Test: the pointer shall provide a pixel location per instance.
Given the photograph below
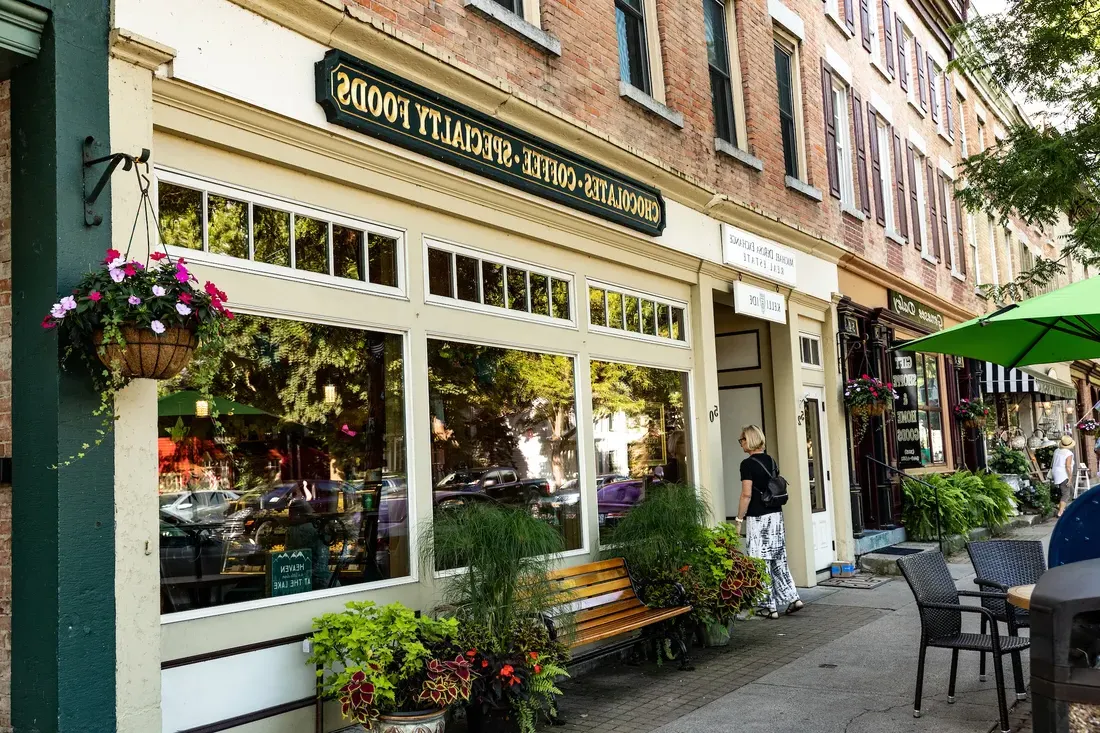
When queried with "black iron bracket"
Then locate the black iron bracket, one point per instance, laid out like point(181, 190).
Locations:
point(93, 191)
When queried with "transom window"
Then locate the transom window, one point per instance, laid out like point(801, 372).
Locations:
point(811, 350)
point(630, 313)
point(228, 224)
point(469, 278)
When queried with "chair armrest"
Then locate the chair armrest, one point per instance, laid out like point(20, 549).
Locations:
point(983, 594)
point(971, 609)
point(983, 583)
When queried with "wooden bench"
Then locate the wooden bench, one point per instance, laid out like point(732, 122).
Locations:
point(604, 604)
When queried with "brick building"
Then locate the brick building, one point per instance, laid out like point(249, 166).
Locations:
point(665, 220)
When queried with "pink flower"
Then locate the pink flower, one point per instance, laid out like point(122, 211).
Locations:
point(182, 309)
point(157, 256)
point(48, 322)
point(185, 298)
point(158, 291)
point(347, 431)
point(68, 303)
point(129, 270)
point(95, 296)
point(117, 275)
point(57, 311)
point(157, 327)
point(112, 254)
point(133, 300)
point(182, 275)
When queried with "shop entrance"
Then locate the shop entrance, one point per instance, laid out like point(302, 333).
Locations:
point(820, 485)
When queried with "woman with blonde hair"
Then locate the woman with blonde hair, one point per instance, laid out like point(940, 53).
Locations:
point(766, 538)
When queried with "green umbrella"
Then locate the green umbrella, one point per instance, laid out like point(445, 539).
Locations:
point(183, 403)
point(1060, 326)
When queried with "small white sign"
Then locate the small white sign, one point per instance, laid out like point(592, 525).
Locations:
point(759, 303)
point(748, 252)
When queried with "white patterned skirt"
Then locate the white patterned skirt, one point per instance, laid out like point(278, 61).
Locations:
point(765, 537)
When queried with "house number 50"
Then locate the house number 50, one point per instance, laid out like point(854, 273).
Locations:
point(713, 413)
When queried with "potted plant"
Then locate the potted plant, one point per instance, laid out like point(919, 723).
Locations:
point(721, 582)
point(499, 594)
point(867, 397)
point(391, 669)
point(127, 320)
point(972, 413)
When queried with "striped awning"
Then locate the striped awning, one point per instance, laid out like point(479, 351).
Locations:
point(997, 379)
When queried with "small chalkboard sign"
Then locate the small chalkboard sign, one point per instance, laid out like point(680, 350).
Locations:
point(289, 572)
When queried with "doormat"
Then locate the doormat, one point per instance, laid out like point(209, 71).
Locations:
point(897, 551)
point(857, 582)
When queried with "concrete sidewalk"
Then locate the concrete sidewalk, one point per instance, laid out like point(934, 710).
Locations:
point(846, 664)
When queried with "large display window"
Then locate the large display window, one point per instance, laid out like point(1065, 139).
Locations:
point(282, 465)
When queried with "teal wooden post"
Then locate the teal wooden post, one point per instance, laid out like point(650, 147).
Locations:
point(63, 625)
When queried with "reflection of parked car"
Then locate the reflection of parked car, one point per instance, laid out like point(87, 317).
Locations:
point(259, 512)
point(198, 506)
point(499, 482)
point(617, 498)
point(602, 480)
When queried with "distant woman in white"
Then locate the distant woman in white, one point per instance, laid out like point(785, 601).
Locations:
point(1061, 469)
point(766, 538)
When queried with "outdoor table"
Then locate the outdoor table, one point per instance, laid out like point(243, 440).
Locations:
point(1020, 596)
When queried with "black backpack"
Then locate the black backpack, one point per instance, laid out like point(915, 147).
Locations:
point(774, 495)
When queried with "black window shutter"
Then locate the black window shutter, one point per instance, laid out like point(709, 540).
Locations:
point(949, 104)
point(888, 33)
point(865, 22)
point(933, 89)
point(899, 185)
point(922, 78)
point(930, 198)
point(964, 250)
point(903, 57)
point(876, 164)
point(945, 223)
point(830, 129)
point(914, 204)
point(861, 153)
point(850, 16)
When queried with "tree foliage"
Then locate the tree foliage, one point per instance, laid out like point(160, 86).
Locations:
point(1047, 51)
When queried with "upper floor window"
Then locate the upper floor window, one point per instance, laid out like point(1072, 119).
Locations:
point(972, 241)
point(886, 176)
point(515, 6)
point(482, 281)
point(790, 117)
point(1008, 254)
point(633, 52)
point(964, 145)
point(991, 230)
point(843, 144)
point(919, 196)
point(283, 238)
point(981, 137)
point(725, 84)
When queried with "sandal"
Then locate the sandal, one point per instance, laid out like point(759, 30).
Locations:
point(770, 615)
point(795, 607)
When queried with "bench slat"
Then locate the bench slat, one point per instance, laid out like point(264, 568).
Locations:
point(608, 631)
point(593, 603)
point(591, 567)
point(619, 617)
point(579, 581)
point(606, 609)
point(597, 589)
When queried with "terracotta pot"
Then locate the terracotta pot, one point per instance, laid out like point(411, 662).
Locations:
point(148, 355)
point(423, 721)
point(494, 720)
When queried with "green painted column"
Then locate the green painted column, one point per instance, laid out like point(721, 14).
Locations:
point(63, 626)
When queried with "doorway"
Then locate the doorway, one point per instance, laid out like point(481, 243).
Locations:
point(820, 477)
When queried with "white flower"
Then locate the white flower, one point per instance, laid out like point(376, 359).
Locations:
point(68, 303)
point(116, 263)
point(158, 290)
point(117, 275)
point(58, 311)
point(182, 309)
point(157, 327)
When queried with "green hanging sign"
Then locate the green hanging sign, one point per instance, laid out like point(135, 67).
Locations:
point(370, 100)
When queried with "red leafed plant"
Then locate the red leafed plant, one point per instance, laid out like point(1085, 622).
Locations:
point(447, 683)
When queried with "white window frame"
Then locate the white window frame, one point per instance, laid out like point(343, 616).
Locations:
point(204, 256)
point(654, 64)
point(949, 214)
point(964, 143)
point(793, 46)
point(842, 104)
point(981, 136)
point(972, 242)
point(605, 286)
point(913, 93)
point(886, 173)
point(737, 93)
point(430, 242)
point(938, 97)
point(815, 339)
point(412, 519)
point(922, 206)
point(1008, 254)
point(991, 229)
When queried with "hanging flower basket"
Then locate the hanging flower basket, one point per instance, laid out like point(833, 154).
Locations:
point(972, 414)
point(148, 355)
point(874, 409)
point(1088, 426)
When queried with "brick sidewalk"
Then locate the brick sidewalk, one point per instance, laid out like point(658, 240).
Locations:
point(622, 698)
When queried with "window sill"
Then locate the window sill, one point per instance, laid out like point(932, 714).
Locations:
point(726, 148)
point(929, 259)
point(980, 292)
point(803, 188)
point(958, 275)
point(516, 23)
point(896, 238)
point(943, 133)
point(839, 23)
point(877, 63)
point(852, 212)
point(643, 100)
point(914, 102)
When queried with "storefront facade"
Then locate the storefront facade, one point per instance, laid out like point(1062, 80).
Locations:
point(432, 305)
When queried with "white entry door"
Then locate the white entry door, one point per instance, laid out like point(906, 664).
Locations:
point(737, 407)
point(817, 452)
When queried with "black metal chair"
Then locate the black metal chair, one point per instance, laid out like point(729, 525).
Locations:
point(941, 626)
point(1000, 565)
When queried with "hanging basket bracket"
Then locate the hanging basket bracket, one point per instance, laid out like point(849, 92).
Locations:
point(92, 187)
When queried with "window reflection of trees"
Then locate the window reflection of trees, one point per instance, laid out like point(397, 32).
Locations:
point(306, 448)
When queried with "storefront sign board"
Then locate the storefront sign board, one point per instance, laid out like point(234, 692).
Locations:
point(289, 572)
point(759, 303)
point(370, 100)
point(917, 312)
point(906, 417)
point(751, 253)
